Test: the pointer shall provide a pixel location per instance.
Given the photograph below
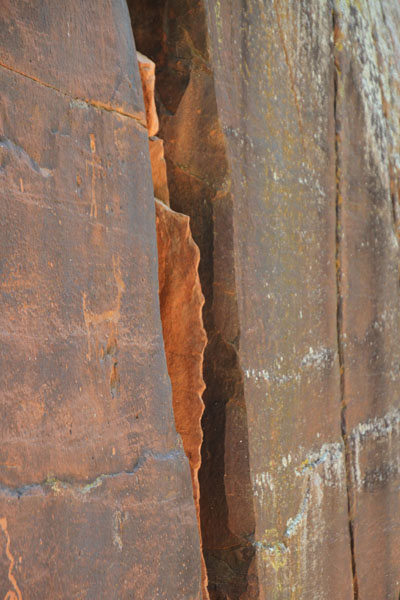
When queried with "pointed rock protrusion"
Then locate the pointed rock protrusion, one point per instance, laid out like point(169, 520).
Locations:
point(147, 70)
point(181, 303)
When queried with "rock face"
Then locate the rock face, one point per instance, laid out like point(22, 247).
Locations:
point(280, 128)
point(159, 169)
point(367, 55)
point(95, 495)
point(181, 302)
point(263, 107)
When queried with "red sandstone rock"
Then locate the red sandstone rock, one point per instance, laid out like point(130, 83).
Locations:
point(159, 169)
point(368, 144)
point(284, 151)
point(95, 492)
point(181, 303)
point(302, 384)
point(147, 69)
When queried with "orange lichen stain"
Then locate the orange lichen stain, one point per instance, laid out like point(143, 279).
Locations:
point(95, 165)
point(109, 316)
point(14, 594)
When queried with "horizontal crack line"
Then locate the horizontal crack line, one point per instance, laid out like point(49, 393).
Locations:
point(57, 485)
point(93, 103)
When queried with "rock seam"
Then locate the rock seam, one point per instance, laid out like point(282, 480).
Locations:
point(339, 310)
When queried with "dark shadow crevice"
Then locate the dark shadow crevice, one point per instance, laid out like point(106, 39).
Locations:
point(173, 33)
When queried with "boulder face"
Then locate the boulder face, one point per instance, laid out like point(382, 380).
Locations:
point(95, 492)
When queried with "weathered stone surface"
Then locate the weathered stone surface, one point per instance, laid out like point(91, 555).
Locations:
point(74, 50)
point(277, 115)
point(198, 185)
point(95, 492)
point(367, 108)
point(159, 169)
point(295, 236)
point(181, 302)
point(281, 132)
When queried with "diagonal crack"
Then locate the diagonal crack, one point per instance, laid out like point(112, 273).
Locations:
point(339, 303)
point(86, 101)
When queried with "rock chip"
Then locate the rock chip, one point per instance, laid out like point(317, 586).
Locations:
point(159, 169)
point(147, 70)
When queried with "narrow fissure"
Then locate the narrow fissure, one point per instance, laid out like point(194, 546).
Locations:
point(181, 301)
point(174, 35)
point(339, 309)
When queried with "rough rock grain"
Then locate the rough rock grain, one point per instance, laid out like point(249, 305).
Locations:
point(199, 186)
point(95, 492)
point(181, 303)
point(275, 101)
point(367, 107)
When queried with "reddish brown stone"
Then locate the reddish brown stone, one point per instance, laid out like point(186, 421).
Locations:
point(368, 141)
point(181, 303)
point(39, 40)
point(95, 492)
point(147, 70)
point(199, 186)
point(159, 169)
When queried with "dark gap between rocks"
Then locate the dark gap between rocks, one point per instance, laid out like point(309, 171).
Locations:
point(173, 34)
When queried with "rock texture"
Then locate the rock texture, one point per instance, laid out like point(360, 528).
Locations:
point(310, 106)
point(280, 126)
point(174, 35)
point(147, 70)
point(280, 137)
point(181, 302)
point(367, 61)
point(95, 492)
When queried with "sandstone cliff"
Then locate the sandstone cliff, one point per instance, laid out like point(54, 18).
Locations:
point(261, 287)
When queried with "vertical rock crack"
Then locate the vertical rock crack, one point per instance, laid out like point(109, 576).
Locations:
point(339, 307)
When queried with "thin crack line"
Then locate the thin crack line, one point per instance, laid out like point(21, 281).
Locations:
point(56, 484)
point(339, 307)
point(94, 103)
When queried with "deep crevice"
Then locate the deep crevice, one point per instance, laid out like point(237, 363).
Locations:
point(339, 309)
point(173, 33)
